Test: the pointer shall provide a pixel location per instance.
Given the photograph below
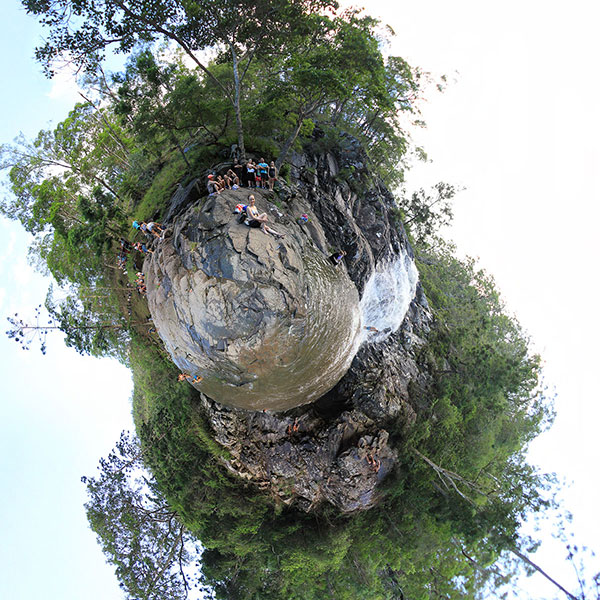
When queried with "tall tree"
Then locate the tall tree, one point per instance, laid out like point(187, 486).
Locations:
point(82, 30)
point(143, 97)
point(336, 72)
point(140, 534)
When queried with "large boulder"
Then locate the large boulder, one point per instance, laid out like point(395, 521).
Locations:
point(267, 322)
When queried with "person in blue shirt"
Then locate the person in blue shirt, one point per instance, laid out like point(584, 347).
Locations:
point(263, 172)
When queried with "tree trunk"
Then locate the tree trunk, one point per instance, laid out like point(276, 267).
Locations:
point(236, 102)
point(288, 143)
point(524, 558)
point(153, 26)
point(175, 141)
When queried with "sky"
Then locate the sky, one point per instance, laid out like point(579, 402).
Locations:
point(518, 126)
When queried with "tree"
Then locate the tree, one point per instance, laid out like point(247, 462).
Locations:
point(339, 60)
point(425, 215)
point(244, 29)
point(142, 98)
point(90, 324)
point(49, 174)
point(336, 74)
point(152, 552)
point(166, 106)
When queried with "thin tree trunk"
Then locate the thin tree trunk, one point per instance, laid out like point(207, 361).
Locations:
point(114, 134)
point(181, 150)
point(167, 564)
point(236, 102)
point(524, 558)
point(173, 36)
point(451, 477)
point(288, 143)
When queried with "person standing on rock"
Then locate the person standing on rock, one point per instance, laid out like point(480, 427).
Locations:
point(256, 219)
point(155, 229)
point(263, 171)
point(222, 183)
point(238, 169)
point(272, 175)
point(251, 170)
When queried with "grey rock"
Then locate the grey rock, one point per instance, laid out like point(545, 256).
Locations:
point(268, 323)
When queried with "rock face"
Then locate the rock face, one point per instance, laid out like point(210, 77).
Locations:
point(336, 449)
point(268, 323)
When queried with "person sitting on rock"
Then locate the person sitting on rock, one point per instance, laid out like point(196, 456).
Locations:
point(222, 183)
point(142, 248)
point(336, 257)
point(212, 185)
point(143, 227)
point(233, 179)
point(190, 378)
point(155, 229)
point(256, 219)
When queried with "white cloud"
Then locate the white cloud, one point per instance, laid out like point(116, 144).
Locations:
point(8, 248)
point(64, 87)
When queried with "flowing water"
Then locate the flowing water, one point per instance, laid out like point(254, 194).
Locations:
point(386, 297)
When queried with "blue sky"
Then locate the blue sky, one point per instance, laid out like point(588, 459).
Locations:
point(59, 413)
point(519, 127)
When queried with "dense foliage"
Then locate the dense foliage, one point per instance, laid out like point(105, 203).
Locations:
point(455, 504)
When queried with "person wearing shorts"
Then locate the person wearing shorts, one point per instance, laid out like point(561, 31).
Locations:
point(256, 219)
point(251, 170)
point(272, 173)
point(263, 169)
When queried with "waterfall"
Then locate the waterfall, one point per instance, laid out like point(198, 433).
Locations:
point(387, 296)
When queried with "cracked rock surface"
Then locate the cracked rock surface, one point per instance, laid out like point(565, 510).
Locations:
point(267, 322)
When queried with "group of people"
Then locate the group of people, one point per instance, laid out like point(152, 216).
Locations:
point(142, 248)
point(190, 378)
point(246, 174)
point(259, 175)
point(126, 248)
point(122, 254)
point(217, 183)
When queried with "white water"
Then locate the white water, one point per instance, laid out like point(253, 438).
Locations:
point(387, 296)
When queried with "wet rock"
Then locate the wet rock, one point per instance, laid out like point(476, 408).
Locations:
point(304, 460)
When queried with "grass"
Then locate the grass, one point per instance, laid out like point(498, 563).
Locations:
point(163, 187)
point(174, 173)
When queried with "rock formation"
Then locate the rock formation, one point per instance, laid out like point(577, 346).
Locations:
point(268, 323)
point(240, 308)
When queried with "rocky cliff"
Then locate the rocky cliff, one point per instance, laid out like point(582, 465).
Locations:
point(294, 388)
